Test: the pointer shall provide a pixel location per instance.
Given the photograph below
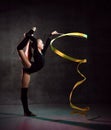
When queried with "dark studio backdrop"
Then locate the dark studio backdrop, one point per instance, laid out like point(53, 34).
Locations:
point(54, 82)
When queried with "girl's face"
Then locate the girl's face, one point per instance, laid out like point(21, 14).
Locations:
point(40, 44)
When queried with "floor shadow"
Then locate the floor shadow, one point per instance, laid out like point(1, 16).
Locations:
point(94, 126)
point(9, 115)
point(102, 121)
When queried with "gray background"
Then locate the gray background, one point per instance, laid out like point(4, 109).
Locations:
point(54, 82)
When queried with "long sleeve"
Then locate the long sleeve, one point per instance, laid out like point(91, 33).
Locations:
point(46, 46)
point(48, 42)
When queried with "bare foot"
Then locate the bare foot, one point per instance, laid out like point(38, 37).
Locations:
point(34, 29)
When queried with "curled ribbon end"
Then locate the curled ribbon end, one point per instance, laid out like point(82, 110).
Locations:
point(84, 61)
point(86, 35)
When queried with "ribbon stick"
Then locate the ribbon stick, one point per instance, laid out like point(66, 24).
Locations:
point(75, 108)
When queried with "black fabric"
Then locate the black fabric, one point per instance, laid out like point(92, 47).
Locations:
point(24, 99)
point(23, 43)
point(39, 58)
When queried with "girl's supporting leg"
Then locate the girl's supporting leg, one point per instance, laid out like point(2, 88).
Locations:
point(25, 80)
point(24, 94)
point(25, 58)
point(24, 99)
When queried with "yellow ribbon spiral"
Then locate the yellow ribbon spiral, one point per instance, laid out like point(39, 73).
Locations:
point(76, 109)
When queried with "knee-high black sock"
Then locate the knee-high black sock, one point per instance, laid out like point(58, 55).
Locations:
point(23, 43)
point(24, 99)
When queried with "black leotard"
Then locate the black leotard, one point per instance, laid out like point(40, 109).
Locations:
point(39, 58)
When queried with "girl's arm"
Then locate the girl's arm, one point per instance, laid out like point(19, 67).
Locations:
point(51, 36)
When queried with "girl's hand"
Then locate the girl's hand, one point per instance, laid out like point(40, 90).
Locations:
point(54, 32)
point(34, 29)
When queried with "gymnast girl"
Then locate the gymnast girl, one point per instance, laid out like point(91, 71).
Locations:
point(33, 60)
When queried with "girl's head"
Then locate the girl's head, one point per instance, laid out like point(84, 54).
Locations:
point(40, 44)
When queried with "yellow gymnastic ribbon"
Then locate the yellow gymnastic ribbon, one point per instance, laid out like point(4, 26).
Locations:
point(79, 61)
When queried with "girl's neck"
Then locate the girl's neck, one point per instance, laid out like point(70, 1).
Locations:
point(40, 51)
